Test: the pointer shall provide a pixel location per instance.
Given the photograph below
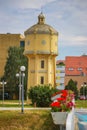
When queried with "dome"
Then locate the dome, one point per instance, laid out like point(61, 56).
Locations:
point(41, 27)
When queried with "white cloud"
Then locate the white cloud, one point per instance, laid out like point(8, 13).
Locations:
point(22, 4)
point(80, 38)
point(72, 40)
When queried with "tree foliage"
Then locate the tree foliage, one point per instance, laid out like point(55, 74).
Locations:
point(41, 95)
point(14, 61)
point(72, 85)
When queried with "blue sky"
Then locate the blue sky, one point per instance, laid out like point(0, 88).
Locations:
point(68, 17)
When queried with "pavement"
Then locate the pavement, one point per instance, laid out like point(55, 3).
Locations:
point(19, 108)
point(37, 108)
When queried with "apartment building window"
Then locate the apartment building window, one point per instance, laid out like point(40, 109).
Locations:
point(71, 69)
point(42, 80)
point(79, 69)
point(42, 63)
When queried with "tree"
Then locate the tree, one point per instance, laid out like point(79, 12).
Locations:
point(72, 85)
point(14, 61)
point(41, 95)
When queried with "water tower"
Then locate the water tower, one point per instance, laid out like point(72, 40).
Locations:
point(41, 49)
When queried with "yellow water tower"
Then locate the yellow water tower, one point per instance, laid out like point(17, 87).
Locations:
point(41, 49)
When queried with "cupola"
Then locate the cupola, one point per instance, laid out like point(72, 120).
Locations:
point(41, 18)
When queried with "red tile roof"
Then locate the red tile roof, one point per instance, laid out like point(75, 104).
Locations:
point(75, 65)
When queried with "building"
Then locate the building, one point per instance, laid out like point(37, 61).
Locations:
point(76, 69)
point(6, 41)
point(41, 49)
point(60, 74)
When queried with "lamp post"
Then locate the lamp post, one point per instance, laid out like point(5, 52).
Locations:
point(21, 76)
point(84, 85)
point(3, 83)
point(22, 69)
point(20, 86)
point(84, 94)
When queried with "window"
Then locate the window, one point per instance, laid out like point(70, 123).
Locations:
point(22, 43)
point(42, 63)
point(42, 80)
point(28, 42)
point(71, 69)
point(79, 69)
point(43, 42)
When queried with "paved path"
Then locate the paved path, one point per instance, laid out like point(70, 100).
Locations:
point(19, 108)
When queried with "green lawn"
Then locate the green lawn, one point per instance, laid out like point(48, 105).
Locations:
point(15, 103)
point(81, 104)
point(30, 120)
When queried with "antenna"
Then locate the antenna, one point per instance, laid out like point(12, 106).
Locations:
point(42, 9)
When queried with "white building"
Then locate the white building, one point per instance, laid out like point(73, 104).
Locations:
point(60, 74)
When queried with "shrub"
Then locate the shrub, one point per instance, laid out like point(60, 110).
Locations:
point(41, 95)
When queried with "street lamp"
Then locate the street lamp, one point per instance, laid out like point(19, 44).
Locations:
point(22, 69)
point(20, 86)
point(3, 84)
point(21, 76)
point(84, 94)
point(84, 85)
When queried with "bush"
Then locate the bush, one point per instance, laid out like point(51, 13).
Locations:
point(72, 85)
point(41, 95)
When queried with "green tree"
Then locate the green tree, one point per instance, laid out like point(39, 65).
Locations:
point(14, 61)
point(72, 85)
point(41, 95)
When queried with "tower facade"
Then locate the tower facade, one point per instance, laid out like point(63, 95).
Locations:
point(41, 49)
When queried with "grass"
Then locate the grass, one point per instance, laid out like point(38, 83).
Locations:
point(13, 103)
point(30, 120)
point(81, 104)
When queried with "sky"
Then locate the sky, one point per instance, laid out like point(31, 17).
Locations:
point(68, 17)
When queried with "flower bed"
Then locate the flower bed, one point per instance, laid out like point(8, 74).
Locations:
point(63, 103)
point(61, 106)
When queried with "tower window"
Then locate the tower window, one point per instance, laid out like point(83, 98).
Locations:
point(42, 63)
point(42, 80)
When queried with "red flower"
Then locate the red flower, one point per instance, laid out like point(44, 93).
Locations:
point(64, 93)
point(61, 99)
point(70, 104)
point(64, 102)
point(55, 104)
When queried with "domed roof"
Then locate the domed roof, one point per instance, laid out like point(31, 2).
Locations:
point(41, 27)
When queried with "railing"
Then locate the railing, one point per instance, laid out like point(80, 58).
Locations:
point(70, 121)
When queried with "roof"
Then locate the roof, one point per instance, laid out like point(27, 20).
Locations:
point(41, 27)
point(76, 65)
